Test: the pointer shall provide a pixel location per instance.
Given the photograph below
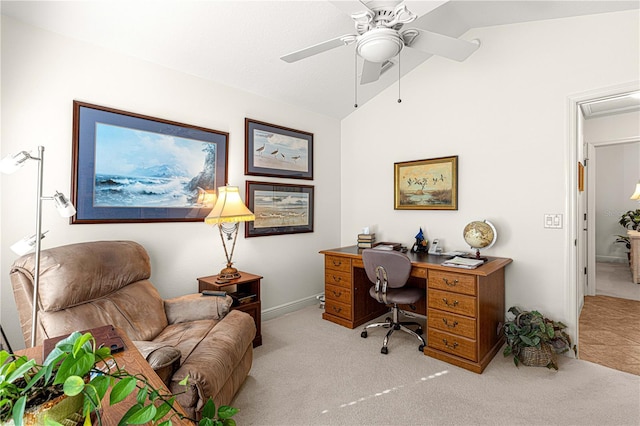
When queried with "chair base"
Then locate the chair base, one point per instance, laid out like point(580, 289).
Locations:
point(394, 324)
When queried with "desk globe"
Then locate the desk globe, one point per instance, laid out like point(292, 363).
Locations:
point(480, 235)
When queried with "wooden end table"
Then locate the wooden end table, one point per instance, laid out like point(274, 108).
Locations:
point(246, 292)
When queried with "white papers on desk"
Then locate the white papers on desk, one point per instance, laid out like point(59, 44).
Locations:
point(383, 247)
point(463, 262)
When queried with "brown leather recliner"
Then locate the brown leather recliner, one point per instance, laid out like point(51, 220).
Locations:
point(87, 285)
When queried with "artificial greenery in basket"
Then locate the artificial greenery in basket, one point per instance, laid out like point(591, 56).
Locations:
point(533, 339)
point(76, 367)
point(629, 220)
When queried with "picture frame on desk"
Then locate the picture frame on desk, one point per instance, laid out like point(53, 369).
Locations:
point(129, 167)
point(430, 184)
point(279, 208)
point(277, 151)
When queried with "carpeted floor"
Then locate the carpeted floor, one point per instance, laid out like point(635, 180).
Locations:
point(312, 372)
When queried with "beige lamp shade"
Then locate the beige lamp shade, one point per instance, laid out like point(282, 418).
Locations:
point(229, 207)
point(636, 194)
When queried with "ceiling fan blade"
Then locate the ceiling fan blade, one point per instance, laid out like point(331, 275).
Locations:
point(350, 6)
point(421, 7)
point(319, 48)
point(370, 72)
point(443, 45)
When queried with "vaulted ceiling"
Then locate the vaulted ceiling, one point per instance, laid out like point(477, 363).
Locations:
point(239, 43)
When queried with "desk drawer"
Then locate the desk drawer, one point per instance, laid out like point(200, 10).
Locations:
point(452, 302)
point(336, 293)
point(341, 279)
point(452, 323)
point(338, 309)
point(459, 283)
point(337, 263)
point(452, 344)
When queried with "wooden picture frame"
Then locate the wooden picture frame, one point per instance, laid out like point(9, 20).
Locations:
point(426, 184)
point(130, 167)
point(279, 208)
point(277, 151)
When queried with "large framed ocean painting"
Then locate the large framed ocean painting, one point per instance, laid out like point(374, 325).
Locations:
point(129, 167)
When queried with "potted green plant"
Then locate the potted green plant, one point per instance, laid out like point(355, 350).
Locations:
point(534, 340)
point(77, 368)
point(629, 220)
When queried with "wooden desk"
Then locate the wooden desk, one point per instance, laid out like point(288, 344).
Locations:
point(465, 308)
point(130, 360)
point(247, 284)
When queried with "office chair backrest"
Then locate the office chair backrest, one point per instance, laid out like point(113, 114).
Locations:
point(397, 266)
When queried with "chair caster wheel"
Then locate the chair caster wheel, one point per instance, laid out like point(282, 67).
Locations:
point(363, 334)
point(421, 348)
point(419, 332)
point(384, 350)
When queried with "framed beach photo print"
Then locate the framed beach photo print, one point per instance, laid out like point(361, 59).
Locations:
point(427, 184)
point(129, 167)
point(279, 208)
point(277, 151)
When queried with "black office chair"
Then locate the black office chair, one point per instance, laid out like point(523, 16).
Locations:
point(390, 270)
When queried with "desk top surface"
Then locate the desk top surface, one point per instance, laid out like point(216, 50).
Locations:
point(424, 260)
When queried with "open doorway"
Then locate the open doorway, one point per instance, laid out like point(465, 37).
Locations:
point(608, 299)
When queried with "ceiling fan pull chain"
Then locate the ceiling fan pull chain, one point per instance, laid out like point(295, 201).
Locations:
point(399, 99)
point(355, 80)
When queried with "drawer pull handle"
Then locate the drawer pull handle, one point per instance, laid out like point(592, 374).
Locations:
point(446, 343)
point(453, 325)
point(337, 310)
point(450, 283)
point(336, 293)
point(337, 262)
point(451, 305)
point(336, 279)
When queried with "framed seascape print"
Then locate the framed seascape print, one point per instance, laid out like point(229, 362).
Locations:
point(279, 208)
point(427, 184)
point(132, 168)
point(277, 151)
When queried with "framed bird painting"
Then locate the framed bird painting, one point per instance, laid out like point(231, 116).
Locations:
point(427, 184)
point(277, 151)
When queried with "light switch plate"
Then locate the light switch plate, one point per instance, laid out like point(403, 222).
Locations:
point(553, 221)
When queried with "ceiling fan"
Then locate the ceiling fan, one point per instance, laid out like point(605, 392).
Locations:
point(380, 37)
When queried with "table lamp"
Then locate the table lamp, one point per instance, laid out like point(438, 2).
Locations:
point(227, 213)
point(636, 194)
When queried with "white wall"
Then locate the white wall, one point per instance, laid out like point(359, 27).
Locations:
point(42, 73)
point(504, 113)
point(617, 170)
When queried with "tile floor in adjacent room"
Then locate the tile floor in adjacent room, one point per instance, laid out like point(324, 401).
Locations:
point(610, 326)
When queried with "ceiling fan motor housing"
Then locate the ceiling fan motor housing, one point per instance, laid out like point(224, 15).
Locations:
point(379, 44)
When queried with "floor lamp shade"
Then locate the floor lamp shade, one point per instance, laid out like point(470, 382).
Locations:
point(227, 213)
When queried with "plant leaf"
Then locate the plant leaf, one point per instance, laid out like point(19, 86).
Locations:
point(73, 385)
point(225, 412)
point(18, 410)
point(164, 409)
point(122, 389)
point(209, 409)
point(143, 415)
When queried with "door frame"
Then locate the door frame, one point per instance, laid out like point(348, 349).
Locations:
point(574, 146)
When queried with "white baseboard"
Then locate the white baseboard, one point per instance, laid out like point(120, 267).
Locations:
point(286, 308)
point(611, 259)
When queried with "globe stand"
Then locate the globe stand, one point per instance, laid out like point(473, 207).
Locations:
point(477, 256)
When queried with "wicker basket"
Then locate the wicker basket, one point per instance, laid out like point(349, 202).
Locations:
point(537, 357)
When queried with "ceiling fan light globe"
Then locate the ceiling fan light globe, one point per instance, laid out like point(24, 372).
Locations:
point(379, 45)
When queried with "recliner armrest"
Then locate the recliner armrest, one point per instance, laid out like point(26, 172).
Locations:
point(193, 307)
